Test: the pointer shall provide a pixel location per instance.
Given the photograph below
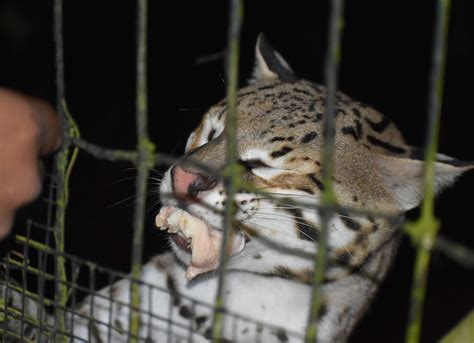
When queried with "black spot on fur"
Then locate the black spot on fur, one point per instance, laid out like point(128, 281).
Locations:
point(221, 113)
point(350, 223)
point(323, 310)
point(186, 312)
point(344, 259)
point(246, 93)
point(380, 126)
point(356, 112)
point(306, 190)
point(358, 127)
point(262, 88)
point(119, 326)
point(199, 321)
point(277, 139)
point(257, 256)
point(305, 276)
point(171, 286)
point(319, 117)
point(316, 181)
point(302, 91)
point(355, 131)
point(366, 146)
point(281, 335)
point(309, 137)
point(208, 333)
point(283, 151)
point(308, 232)
point(350, 130)
point(317, 88)
point(385, 145)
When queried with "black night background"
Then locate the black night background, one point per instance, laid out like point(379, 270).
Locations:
point(385, 62)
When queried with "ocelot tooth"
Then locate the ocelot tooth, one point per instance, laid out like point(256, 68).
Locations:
point(172, 229)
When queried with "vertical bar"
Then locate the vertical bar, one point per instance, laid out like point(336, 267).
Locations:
point(232, 175)
point(24, 275)
point(425, 230)
point(72, 291)
point(328, 198)
point(145, 162)
point(149, 334)
point(5, 295)
point(92, 320)
point(111, 309)
point(62, 165)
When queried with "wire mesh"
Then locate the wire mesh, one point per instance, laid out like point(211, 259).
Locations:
point(41, 298)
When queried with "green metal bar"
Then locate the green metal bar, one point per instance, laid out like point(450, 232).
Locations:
point(105, 154)
point(328, 198)
point(233, 171)
point(145, 162)
point(425, 230)
point(64, 162)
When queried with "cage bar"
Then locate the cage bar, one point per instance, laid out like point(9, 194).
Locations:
point(232, 173)
point(424, 231)
point(328, 198)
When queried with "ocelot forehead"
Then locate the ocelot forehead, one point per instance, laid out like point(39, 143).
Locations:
point(269, 113)
point(276, 119)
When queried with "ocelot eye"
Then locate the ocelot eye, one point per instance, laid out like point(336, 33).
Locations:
point(253, 164)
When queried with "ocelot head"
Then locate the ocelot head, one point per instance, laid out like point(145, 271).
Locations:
point(279, 145)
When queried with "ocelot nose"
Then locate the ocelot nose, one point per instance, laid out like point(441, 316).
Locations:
point(187, 185)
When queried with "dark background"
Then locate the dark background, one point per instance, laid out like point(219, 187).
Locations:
point(385, 63)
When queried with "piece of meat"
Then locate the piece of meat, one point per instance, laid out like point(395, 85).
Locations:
point(205, 242)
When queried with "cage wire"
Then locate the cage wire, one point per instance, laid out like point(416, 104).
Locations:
point(39, 287)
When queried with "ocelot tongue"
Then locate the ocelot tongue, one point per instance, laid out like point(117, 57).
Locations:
point(205, 244)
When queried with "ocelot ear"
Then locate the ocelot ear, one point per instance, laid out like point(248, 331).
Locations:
point(404, 176)
point(269, 64)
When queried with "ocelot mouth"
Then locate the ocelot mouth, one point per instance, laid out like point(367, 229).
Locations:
point(196, 237)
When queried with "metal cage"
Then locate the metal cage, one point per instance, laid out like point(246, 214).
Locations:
point(39, 288)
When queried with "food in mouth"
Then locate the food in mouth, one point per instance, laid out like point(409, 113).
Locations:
point(193, 235)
